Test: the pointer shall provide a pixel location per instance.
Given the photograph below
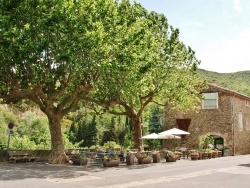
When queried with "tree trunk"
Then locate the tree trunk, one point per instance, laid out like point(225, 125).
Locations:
point(58, 155)
point(137, 132)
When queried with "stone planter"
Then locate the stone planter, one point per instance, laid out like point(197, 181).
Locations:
point(194, 157)
point(204, 155)
point(145, 160)
point(209, 155)
point(111, 163)
point(170, 159)
point(219, 153)
point(214, 154)
point(130, 159)
point(156, 158)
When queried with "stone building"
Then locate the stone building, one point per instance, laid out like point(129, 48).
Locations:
point(224, 114)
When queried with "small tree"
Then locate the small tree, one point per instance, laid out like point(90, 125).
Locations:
point(204, 141)
point(91, 134)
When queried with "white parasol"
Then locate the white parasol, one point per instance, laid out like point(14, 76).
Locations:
point(158, 136)
point(174, 131)
point(168, 136)
point(151, 136)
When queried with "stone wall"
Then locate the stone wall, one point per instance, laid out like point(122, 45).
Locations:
point(221, 122)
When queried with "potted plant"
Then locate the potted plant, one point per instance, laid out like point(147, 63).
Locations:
point(214, 153)
point(130, 158)
point(144, 158)
point(219, 153)
point(209, 153)
point(170, 156)
point(194, 155)
point(204, 142)
point(80, 159)
point(111, 160)
point(156, 157)
point(204, 155)
point(178, 155)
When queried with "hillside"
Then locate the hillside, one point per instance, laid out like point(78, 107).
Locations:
point(237, 81)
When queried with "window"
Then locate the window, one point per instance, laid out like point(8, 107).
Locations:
point(210, 100)
point(247, 103)
point(240, 121)
point(247, 124)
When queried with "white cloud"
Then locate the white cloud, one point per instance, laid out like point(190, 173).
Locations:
point(236, 5)
point(229, 55)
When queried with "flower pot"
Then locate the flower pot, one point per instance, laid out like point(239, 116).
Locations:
point(111, 163)
point(194, 157)
point(219, 153)
point(130, 159)
point(204, 155)
point(209, 155)
point(145, 160)
point(170, 159)
point(214, 154)
point(156, 157)
point(79, 161)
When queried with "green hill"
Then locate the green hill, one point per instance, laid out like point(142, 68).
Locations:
point(237, 81)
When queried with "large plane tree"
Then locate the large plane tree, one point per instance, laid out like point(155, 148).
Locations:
point(55, 52)
point(165, 75)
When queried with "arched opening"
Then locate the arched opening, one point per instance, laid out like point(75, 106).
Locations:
point(218, 142)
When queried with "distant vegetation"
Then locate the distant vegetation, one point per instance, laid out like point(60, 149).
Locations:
point(237, 81)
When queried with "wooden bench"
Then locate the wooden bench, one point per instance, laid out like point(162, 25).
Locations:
point(23, 156)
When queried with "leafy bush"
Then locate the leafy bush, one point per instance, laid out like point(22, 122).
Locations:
point(111, 145)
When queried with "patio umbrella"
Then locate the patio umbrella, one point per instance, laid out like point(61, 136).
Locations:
point(168, 136)
point(151, 136)
point(174, 131)
point(157, 136)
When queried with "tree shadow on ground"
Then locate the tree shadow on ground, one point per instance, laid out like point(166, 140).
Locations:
point(245, 165)
point(42, 170)
point(19, 171)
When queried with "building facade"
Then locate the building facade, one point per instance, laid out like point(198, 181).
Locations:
point(224, 114)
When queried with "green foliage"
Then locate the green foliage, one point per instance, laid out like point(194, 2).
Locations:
point(87, 133)
point(205, 140)
point(111, 145)
point(22, 142)
point(91, 138)
point(152, 144)
point(112, 135)
point(169, 154)
point(112, 53)
point(115, 131)
point(30, 130)
point(156, 119)
point(68, 144)
point(240, 79)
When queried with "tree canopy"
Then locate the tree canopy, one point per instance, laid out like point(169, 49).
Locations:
point(113, 53)
point(163, 72)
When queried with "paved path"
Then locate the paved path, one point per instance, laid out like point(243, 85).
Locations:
point(225, 172)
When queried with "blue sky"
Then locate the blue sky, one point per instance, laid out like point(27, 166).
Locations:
point(217, 30)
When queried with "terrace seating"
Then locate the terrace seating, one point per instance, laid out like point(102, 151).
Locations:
point(20, 155)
